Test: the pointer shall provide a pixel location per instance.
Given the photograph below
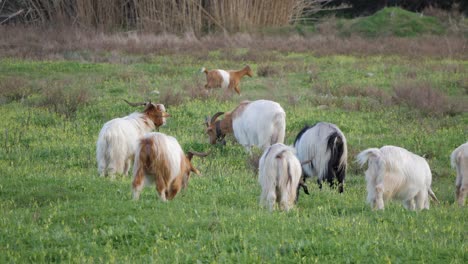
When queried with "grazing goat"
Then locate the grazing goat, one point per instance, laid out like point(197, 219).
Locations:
point(279, 176)
point(160, 159)
point(118, 139)
point(396, 173)
point(226, 79)
point(459, 161)
point(259, 123)
point(325, 146)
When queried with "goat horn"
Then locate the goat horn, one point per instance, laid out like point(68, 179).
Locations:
point(213, 119)
point(135, 104)
point(305, 162)
point(192, 153)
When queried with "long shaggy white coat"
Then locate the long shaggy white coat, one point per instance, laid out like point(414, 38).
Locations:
point(396, 173)
point(117, 143)
point(279, 175)
point(459, 161)
point(261, 124)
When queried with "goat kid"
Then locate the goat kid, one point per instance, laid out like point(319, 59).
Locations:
point(227, 80)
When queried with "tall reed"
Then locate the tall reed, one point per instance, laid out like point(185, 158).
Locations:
point(172, 16)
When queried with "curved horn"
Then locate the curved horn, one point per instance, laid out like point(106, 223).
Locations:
point(192, 153)
point(135, 104)
point(213, 119)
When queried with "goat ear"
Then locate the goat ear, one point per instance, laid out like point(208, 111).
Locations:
point(149, 107)
point(207, 121)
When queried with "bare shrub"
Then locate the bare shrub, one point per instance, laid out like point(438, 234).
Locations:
point(15, 89)
point(196, 90)
point(267, 71)
point(423, 97)
point(378, 94)
point(65, 102)
point(169, 97)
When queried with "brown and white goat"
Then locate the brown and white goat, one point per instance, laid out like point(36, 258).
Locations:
point(258, 123)
point(226, 79)
point(118, 138)
point(459, 161)
point(160, 160)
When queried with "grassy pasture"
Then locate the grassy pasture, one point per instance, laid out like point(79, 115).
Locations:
point(54, 207)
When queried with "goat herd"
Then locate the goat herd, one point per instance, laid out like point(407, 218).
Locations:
point(319, 150)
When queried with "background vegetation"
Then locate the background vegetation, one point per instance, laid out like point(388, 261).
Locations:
point(57, 90)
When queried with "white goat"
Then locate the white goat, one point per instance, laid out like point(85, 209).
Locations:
point(396, 173)
point(226, 79)
point(325, 146)
point(279, 176)
point(118, 139)
point(259, 123)
point(459, 161)
point(160, 160)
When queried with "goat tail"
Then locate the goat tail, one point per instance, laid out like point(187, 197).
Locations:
point(336, 144)
point(102, 154)
point(454, 158)
point(432, 195)
point(363, 157)
point(278, 129)
point(203, 69)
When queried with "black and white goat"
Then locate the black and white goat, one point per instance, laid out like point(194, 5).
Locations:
point(324, 145)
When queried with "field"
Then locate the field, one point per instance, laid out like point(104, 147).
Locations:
point(55, 208)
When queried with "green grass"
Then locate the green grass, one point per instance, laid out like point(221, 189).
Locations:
point(393, 21)
point(55, 208)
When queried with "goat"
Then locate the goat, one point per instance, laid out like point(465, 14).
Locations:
point(396, 173)
point(259, 123)
point(160, 160)
point(325, 146)
point(459, 161)
point(279, 176)
point(226, 79)
point(118, 138)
